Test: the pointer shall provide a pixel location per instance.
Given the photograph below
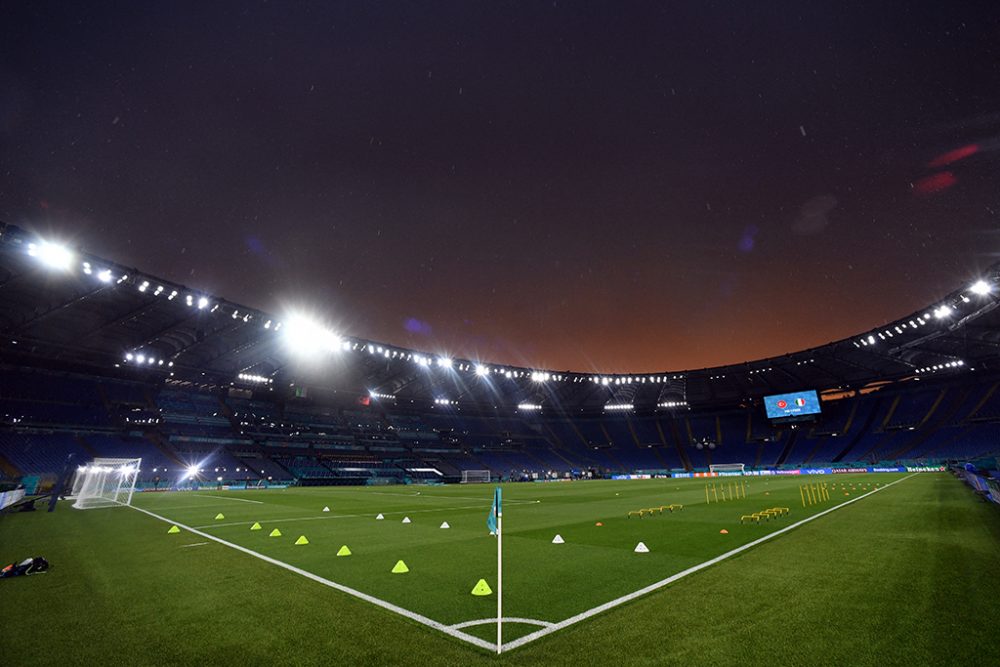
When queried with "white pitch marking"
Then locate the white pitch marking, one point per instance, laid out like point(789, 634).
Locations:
point(340, 516)
point(184, 507)
point(505, 619)
point(238, 500)
point(196, 544)
point(487, 501)
point(537, 634)
point(419, 618)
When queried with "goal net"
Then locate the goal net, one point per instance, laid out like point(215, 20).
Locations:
point(105, 483)
point(471, 476)
point(726, 467)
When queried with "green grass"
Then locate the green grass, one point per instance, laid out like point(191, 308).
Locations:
point(907, 575)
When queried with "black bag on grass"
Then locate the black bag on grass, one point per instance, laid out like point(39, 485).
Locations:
point(36, 565)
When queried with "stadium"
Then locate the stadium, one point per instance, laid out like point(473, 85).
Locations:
point(367, 483)
point(499, 333)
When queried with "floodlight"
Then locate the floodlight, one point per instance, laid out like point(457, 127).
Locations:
point(202, 303)
point(192, 470)
point(981, 287)
point(482, 371)
point(51, 255)
point(104, 276)
point(309, 338)
point(942, 312)
point(444, 362)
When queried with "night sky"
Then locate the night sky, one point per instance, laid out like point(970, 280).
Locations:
point(618, 186)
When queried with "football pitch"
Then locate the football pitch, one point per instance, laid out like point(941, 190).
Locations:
point(879, 569)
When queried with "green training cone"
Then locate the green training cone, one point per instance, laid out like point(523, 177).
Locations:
point(344, 551)
point(482, 588)
point(173, 530)
point(256, 526)
point(220, 516)
point(275, 533)
point(302, 540)
point(400, 568)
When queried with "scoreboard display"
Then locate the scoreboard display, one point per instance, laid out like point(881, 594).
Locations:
point(792, 406)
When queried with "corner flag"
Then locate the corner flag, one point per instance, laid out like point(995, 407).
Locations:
point(495, 513)
point(494, 522)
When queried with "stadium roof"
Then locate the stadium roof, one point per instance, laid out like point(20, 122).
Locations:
point(68, 309)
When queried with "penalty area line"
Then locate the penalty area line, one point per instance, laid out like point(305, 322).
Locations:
point(413, 616)
point(572, 620)
point(237, 500)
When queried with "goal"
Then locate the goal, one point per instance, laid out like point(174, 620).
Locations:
point(726, 467)
point(472, 476)
point(105, 483)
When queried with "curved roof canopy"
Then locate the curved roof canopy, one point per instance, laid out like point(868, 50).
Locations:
point(65, 308)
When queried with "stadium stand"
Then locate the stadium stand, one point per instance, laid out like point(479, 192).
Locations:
point(198, 389)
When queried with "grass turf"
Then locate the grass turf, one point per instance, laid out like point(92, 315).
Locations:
point(905, 575)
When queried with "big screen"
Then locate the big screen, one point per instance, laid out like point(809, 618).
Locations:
point(796, 404)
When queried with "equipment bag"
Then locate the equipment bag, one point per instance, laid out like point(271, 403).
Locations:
point(28, 566)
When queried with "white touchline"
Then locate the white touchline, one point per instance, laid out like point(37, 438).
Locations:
point(680, 575)
point(238, 500)
point(431, 623)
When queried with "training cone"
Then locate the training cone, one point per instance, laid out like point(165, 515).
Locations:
point(379, 517)
point(173, 530)
point(482, 588)
point(598, 524)
point(558, 540)
point(302, 540)
point(641, 548)
point(723, 532)
point(326, 509)
point(220, 516)
point(406, 519)
point(256, 526)
point(344, 551)
point(275, 533)
point(400, 568)
point(445, 525)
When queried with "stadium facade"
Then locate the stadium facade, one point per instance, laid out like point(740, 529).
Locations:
point(98, 359)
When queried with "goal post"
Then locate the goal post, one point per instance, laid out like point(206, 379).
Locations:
point(105, 482)
point(727, 467)
point(475, 476)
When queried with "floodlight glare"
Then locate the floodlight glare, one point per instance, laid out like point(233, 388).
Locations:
point(51, 255)
point(942, 312)
point(202, 303)
point(306, 337)
point(482, 371)
point(981, 287)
